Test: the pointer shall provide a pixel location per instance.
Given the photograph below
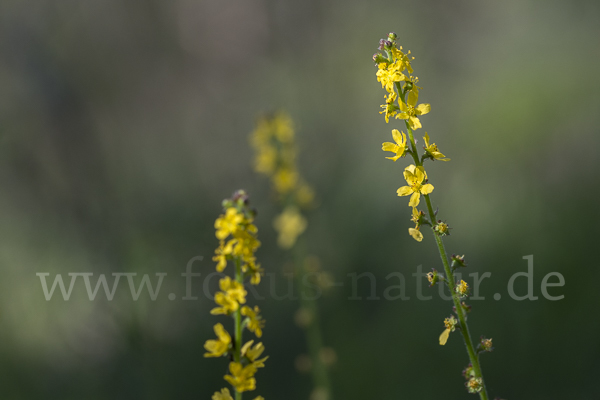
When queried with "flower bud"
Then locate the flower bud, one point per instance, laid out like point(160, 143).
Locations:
point(458, 261)
point(392, 36)
point(378, 58)
point(468, 372)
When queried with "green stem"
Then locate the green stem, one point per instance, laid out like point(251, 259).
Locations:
point(238, 324)
point(314, 337)
point(464, 328)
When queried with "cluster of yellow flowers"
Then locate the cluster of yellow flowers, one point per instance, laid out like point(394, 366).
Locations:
point(394, 72)
point(238, 243)
point(276, 152)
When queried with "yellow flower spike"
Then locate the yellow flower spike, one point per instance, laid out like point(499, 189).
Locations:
point(224, 395)
point(410, 110)
point(414, 177)
point(229, 223)
point(399, 147)
point(255, 321)
point(216, 348)
point(433, 150)
point(290, 224)
point(241, 378)
point(450, 324)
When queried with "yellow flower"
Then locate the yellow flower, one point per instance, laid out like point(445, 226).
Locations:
point(233, 293)
point(415, 233)
point(252, 354)
point(416, 218)
point(390, 74)
point(228, 223)
point(410, 110)
point(241, 378)
point(265, 160)
point(433, 150)
point(462, 289)
point(399, 55)
point(244, 244)
point(285, 179)
point(450, 324)
point(255, 321)
point(399, 147)
point(283, 127)
point(221, 254)
point(304, 195)
point(389, 108)
point(224, 395)
point(254, 269)
point(414, 177)
point(290, 224)
point(216, 348)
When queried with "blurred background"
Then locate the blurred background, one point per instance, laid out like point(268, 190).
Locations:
point(123, 124)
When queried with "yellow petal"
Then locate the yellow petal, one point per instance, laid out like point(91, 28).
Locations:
point(388, 146)
point(404, 191)
point(426, 189)
point(414, 200)
point(222, 333)
point(420, 174)
point(409, 174)
point(412, 98)
point(415, 123)
point(416, 234)
point(426, 138)
point(247, 346)
point(398, 138)
point(444, 337)
point(403, 107)
point(423, 109)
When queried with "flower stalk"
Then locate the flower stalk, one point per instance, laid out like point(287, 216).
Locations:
point(275, 156)
point(237, 243)
point(394, 74)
